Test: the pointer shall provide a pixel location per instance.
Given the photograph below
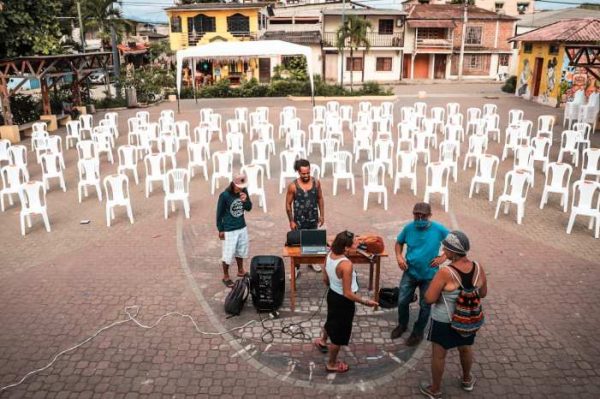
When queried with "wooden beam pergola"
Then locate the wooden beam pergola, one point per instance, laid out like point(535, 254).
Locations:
point(46, 67)
point(585, 56)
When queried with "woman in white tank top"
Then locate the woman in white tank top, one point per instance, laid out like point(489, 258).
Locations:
point(340, 277)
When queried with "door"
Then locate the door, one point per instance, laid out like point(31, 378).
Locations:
point(406, 66)
point(537, 76)
point(421, 66)
point(331, 67)
point(264, 70)
point(439, 66)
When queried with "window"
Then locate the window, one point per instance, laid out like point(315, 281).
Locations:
point(527, 47)
point(473, 35)
point(383, 64)
point(499, 6)
point(238, 25)
point(357, 66)
point(553, 49)
point(522, 7)
point(201, 24)
point(175, 24)
point(503, 59)
point(473, 62)
point(386, 26)
point(431, 33)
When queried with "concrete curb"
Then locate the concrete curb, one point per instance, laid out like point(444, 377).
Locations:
point(346, 98)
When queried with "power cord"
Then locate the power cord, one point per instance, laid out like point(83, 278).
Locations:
point(131, 312)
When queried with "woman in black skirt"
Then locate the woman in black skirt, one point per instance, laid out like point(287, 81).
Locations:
point(442, 294)
point(340, 277)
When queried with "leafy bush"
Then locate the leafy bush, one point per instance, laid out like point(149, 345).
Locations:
point(149, 82)
point(24, 108)
point(510, 85)
point(252, 88)
point(282, 88)
point(111, 102)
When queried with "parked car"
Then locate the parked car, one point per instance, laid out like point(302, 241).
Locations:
point(97, 78)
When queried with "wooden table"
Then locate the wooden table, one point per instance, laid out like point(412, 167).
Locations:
point(297, 258)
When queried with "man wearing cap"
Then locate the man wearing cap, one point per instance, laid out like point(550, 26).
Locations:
point(232, 204)
point(422, 238)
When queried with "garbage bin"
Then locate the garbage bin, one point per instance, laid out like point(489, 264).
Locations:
point(131, 96)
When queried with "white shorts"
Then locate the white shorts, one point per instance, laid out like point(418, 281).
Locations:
point(235, 245)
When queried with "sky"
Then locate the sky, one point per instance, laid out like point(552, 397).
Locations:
point(153, 10)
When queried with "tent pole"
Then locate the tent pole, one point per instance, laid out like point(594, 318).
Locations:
point(194, 79)
point(178, 108)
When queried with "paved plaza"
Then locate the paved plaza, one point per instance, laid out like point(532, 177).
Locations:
point(57, 289)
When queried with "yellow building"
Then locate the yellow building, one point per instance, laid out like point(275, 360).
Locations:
point(543, 72)
point(202, 23)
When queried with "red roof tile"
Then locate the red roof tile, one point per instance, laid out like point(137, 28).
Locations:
point(568, 30)
point(453, 11)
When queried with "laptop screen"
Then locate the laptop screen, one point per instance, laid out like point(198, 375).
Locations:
point(313, 238)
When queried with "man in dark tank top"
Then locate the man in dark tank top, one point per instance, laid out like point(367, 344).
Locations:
point(304, 202)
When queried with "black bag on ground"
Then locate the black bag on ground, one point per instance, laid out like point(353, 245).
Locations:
point(236, 299)
point(388, 297)
point(293, 238)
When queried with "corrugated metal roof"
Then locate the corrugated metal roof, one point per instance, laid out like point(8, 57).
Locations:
point(571, 30)
point(543, 18)
point(431, 23)
point(453, 11)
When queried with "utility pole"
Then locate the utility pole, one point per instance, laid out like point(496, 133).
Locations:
point(343, 27)
point(461, 57)
point(115, 53)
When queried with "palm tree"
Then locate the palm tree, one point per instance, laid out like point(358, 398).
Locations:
point(101, 15)
point(353, 34)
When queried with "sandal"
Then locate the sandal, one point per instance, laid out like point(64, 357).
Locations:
point(340, 367)
point(243, 274)
point(320, 347)
point(425, 389)
point(227, 283)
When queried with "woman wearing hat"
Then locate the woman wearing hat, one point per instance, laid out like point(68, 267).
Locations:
point(442, 295)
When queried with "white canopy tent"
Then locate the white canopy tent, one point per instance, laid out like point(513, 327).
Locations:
point(243, 50)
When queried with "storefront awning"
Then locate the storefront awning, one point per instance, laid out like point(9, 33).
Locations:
point(431, 23)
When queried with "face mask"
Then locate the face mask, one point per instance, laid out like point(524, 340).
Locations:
point(422, 224)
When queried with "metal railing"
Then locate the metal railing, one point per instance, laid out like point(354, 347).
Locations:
point(375, 39)
point(194, 37)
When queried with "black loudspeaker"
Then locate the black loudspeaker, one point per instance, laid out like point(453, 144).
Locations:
point(267, 282)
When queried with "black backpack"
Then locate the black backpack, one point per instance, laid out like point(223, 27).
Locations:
point(236, 299)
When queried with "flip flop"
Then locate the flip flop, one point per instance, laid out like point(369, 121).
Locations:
point(227, 283)
point(340, 367)
point(320, 347)
point(243, 274)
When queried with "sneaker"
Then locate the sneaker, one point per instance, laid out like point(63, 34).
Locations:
point(468, 385)
point(316, 268)
point(397, 332)
point(297, 273)
point(425, 389)
point(414, 340)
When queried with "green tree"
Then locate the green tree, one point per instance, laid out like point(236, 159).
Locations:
point(353, 34)
point(101, 15)
point(30, 27)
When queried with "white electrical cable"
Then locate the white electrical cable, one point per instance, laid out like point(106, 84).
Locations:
point(132, 312)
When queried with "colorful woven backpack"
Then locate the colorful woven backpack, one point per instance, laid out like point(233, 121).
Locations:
point(468, 316)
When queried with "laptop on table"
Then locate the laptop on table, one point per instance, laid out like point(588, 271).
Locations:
point(313, 242)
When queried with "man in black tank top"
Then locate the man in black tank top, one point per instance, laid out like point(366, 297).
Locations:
point(304, 201)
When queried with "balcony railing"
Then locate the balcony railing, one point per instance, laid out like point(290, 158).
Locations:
point(375, 39)
point(195, 37)
point(438, 44)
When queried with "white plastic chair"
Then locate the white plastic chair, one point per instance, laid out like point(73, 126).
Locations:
point(52, 168)
point(33, 202)
point(86, 124)
point(261, 155)
point(73, 133)
point(241, 116)
point(477, 147)
point(86, 149)
point(89, 175)
point(177, 188)
point(452, 109)
point(387, 110)
point(421, 146)
point(438, 117)
point(523, 160)
point(582, 204)
point(333, 128)
point(54, 146)
point(263, 112)
point(346, 114)
point(514, 117)
point(571, 113)
point(591, 163)
point(222, 162)
point(436, 182)
point(205, 114)
point(319, 112)
point(214, 125)
point(473, 116)
point(545, 126)
point(156, 168)
point(407, 114)
point(38, 142)
point(342, 170)
point(541, 151)
point(168, 145)
point(287, 159)
point(182, 131)
point(296, 141)
point(197, 157)
point(485, 173)
point(331, 148)
point(168, 114)
point(559, 184)
point(103, 144)
point(456, 120)
point(143, 117)
point(511, 140)
point(588, 114)
point(286, 126)
point(384, 153)
point(492, 126)
point(428, 128)
point(233, 126)
point(516, 187)
point(449, 157)
point(235, 145)
point(584, 130)
point(17, 155)
point(315, 171)
point(420, 109)
point(568, 145)
point(12, 180)
point(134, 124)
point(333, 107)
point(364, 106)
point(128, 160)
point(362, 141)
point(373, 174)
point(454, 134)
point(256, 185)
point(316, 136)
point(113, 122)
point(406, 168)
point(202, 136)
point(489, 109)
point(265, 133)
point(116, 188)
point(384, 128)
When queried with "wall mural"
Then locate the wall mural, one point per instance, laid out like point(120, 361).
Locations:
point(549, 96)
point(524, 77)
point(574, 79)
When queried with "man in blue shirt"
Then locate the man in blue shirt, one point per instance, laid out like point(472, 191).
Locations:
point(422, 239)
